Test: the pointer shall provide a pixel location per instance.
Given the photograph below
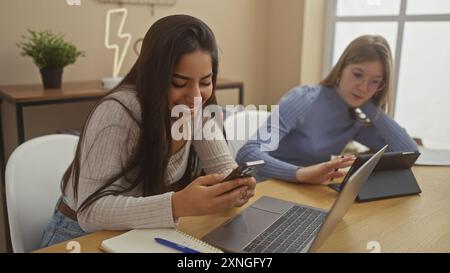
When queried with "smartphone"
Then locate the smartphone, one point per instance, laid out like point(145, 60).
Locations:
point(245, 169)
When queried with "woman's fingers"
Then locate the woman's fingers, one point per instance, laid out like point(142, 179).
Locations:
point(226, 186)
point(327, 177)
point(237, 194)
point(339, 163)
point(229, 199)
point(252, 183)
point(209, 180)
point(336, 174)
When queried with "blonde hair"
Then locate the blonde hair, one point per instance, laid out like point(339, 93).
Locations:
point(366, 48)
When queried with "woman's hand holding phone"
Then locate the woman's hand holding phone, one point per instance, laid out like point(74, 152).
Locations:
point(208, 194)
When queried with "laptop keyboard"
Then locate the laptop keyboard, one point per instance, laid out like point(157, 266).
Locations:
point(290, 233)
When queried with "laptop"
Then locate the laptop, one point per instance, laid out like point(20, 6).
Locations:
point(392, 177)
point(272, 225)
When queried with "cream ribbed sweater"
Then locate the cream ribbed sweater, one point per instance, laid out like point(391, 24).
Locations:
point(105, 148)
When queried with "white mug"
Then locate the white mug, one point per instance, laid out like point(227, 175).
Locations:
point(110, 83)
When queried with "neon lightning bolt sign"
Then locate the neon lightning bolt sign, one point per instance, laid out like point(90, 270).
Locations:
point(118, 61)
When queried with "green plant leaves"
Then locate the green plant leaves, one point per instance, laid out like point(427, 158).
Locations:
point(49, 50)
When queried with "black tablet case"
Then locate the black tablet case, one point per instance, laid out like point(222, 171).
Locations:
point(392, 177)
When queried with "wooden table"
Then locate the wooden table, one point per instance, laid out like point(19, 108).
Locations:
point(419, 223)
point(21, 96)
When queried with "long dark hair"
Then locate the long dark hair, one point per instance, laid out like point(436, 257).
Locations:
point(167, 40)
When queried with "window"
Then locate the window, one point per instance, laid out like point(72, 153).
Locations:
point(347, 31)
point(416, 7)
point(418, 33)
point(367, 8)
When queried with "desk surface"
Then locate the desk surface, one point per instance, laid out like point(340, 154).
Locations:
point(418, 223)
point(72, 90)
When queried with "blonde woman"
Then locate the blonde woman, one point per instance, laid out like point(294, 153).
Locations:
point(319, 120)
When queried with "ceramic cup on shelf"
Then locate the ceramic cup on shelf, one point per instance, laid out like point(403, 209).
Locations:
point(110, 83)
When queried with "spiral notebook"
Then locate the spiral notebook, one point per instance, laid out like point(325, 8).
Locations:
point(143, 241)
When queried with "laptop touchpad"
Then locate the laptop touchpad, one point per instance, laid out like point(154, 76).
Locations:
point(234, 235)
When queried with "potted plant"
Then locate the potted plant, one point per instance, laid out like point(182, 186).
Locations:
point(50, 53)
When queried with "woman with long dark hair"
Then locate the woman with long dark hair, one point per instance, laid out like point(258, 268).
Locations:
point(129, 171)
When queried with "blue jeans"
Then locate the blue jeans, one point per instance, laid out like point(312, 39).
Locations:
point(60, 228)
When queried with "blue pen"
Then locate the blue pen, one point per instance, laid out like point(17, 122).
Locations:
point(176, 246)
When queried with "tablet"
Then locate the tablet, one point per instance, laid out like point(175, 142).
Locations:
point(392, 177)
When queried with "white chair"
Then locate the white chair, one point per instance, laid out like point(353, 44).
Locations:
point(240, 126)
point(33, 175)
